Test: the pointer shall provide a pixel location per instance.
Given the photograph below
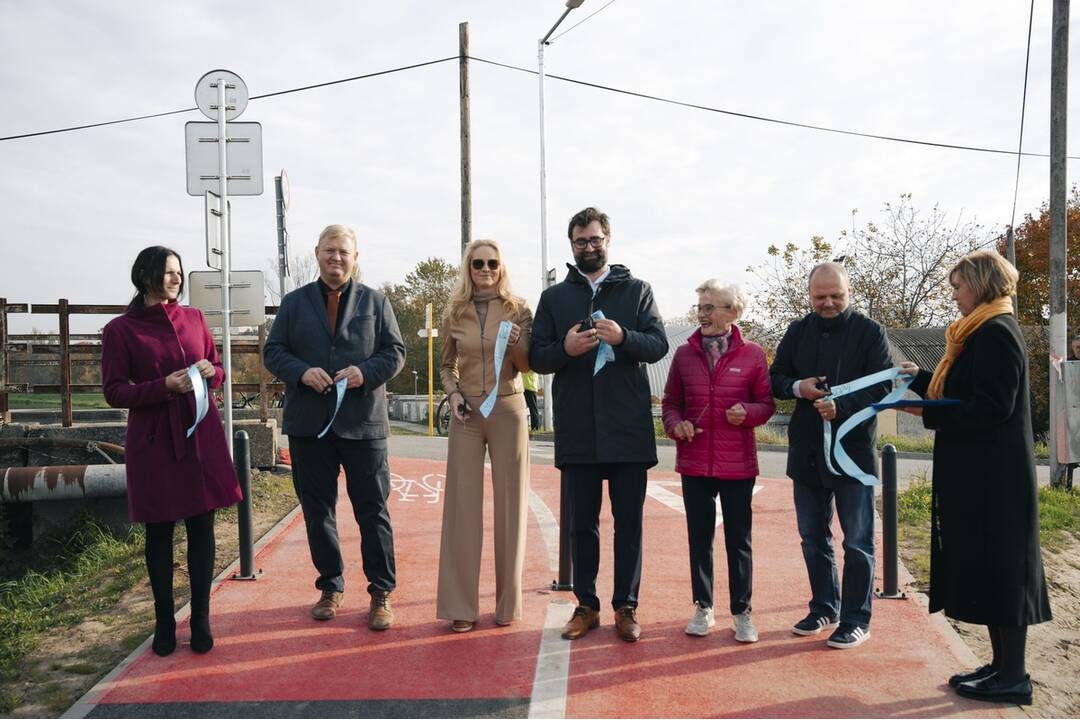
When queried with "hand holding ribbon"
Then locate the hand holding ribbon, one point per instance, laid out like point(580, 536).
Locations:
point(339, 389)
point(202, 396)
point(837, 451)
point(604, 353)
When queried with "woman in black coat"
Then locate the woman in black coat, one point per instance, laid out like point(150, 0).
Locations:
point(985, 562)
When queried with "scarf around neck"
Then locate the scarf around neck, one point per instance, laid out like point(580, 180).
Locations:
point(958, 333)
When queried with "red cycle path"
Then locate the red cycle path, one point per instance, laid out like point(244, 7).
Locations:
point(269, 653)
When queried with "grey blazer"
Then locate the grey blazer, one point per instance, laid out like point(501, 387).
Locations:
point(368, 337)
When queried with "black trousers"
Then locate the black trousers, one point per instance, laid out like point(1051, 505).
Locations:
point(316, 465)
point(626, 490)
point(534, 411)
point(699, 498)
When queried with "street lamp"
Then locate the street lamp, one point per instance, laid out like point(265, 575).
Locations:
point(563, 581)
point(546, 279)
point(414, 378)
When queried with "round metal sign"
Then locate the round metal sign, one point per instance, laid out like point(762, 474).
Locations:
point(236, 94)
point(284, 189)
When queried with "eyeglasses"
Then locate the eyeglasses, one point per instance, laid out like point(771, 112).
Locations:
point(707, 309)
point(596, 241)
point(492, 264)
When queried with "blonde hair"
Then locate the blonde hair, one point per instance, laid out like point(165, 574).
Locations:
point(988, 274)
point(335, 231)
point(739, 298)
point(462, 294)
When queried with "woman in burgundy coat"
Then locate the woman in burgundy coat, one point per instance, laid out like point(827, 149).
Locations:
point(145, 356)
point(717, 392)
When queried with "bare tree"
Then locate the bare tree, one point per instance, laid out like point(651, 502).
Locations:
point(899, 269)
point(302, 270)
point(898, 266)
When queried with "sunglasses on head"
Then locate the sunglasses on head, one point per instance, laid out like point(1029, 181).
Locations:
point(492, 264)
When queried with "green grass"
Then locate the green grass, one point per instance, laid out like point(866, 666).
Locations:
point(25, 401)
point(1059, 516)
point(64, 581)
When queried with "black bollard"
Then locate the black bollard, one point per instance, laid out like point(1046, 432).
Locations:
point(242, 458)
point(565, 580)
point(889, 527)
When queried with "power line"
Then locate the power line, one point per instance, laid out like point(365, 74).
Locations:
point(1023, 108)
point(763, 118)
point(597, 86)
point(253, 97)
point(589, 17)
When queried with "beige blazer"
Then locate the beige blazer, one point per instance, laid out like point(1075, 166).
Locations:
point(468, 355)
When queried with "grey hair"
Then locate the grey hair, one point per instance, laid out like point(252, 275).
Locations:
point(835, 267)
point(739, 298)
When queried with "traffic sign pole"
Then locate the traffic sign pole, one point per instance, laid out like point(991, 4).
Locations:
point(223, 218)
point(430, 373)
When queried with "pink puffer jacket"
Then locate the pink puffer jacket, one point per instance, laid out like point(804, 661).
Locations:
point(692, 393)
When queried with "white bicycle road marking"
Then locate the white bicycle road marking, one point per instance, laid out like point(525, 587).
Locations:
point(430, 487)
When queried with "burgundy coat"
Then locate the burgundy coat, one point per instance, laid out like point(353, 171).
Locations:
point(693, 393)
point(169, 476)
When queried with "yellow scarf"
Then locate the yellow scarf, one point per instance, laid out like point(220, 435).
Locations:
point(958, 333)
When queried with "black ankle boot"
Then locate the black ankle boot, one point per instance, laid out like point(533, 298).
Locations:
point(201, 639)
point(164, 636)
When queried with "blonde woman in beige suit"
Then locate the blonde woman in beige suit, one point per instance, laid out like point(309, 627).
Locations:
point(481, 300)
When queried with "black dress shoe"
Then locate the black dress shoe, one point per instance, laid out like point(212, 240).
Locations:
point(992, 689)
point(977, 674)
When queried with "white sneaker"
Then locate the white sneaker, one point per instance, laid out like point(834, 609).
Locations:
point(743, 626)
point(702, 621)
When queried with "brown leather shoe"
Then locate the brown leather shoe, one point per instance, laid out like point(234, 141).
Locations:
point(326, 608)
point(626, 624)
point(381, 616)
point(583, 620)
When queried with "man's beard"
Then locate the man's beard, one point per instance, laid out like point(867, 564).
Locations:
point(587, 265)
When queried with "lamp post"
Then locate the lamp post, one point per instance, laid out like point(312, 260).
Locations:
point(414, 379)
point(546, 279)
point(563, 581)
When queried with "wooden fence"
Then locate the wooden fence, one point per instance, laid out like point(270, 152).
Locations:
point(64, 351)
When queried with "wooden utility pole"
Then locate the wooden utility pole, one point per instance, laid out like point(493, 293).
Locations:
point(1059, 93)
point(466, 151)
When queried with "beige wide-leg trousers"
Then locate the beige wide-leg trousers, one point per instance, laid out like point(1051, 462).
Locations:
point(505, 436)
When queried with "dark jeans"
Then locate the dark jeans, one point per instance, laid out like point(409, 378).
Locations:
point(699, 499)
point(626, 490)
point(534, 411)
point(316, 465)
point(814, 511)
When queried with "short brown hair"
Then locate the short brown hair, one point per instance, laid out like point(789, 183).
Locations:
point(988, 274)
point(587, 216)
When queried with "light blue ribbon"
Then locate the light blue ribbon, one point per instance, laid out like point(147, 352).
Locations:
point(837, 451)
point(604, 353)
point(202, 396)
point(339, 387)
point(500, 352)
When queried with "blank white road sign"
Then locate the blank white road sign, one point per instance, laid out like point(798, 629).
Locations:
point(247, 296)
point(243, 153)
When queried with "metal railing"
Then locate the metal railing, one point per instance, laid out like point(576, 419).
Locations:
point(65, 350)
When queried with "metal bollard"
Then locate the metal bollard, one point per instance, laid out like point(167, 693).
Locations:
point(242, 458)
point(889, 529)
point(565, 581)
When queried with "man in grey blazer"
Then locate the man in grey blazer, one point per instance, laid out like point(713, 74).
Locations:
point(331, 329)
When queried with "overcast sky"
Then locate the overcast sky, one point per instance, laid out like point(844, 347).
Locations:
point(692, 194)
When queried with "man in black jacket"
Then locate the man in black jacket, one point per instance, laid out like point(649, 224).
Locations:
point(830, 346)
point(602, 410)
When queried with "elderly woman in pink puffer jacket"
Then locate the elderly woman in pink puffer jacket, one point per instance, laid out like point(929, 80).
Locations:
point(717, 392)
